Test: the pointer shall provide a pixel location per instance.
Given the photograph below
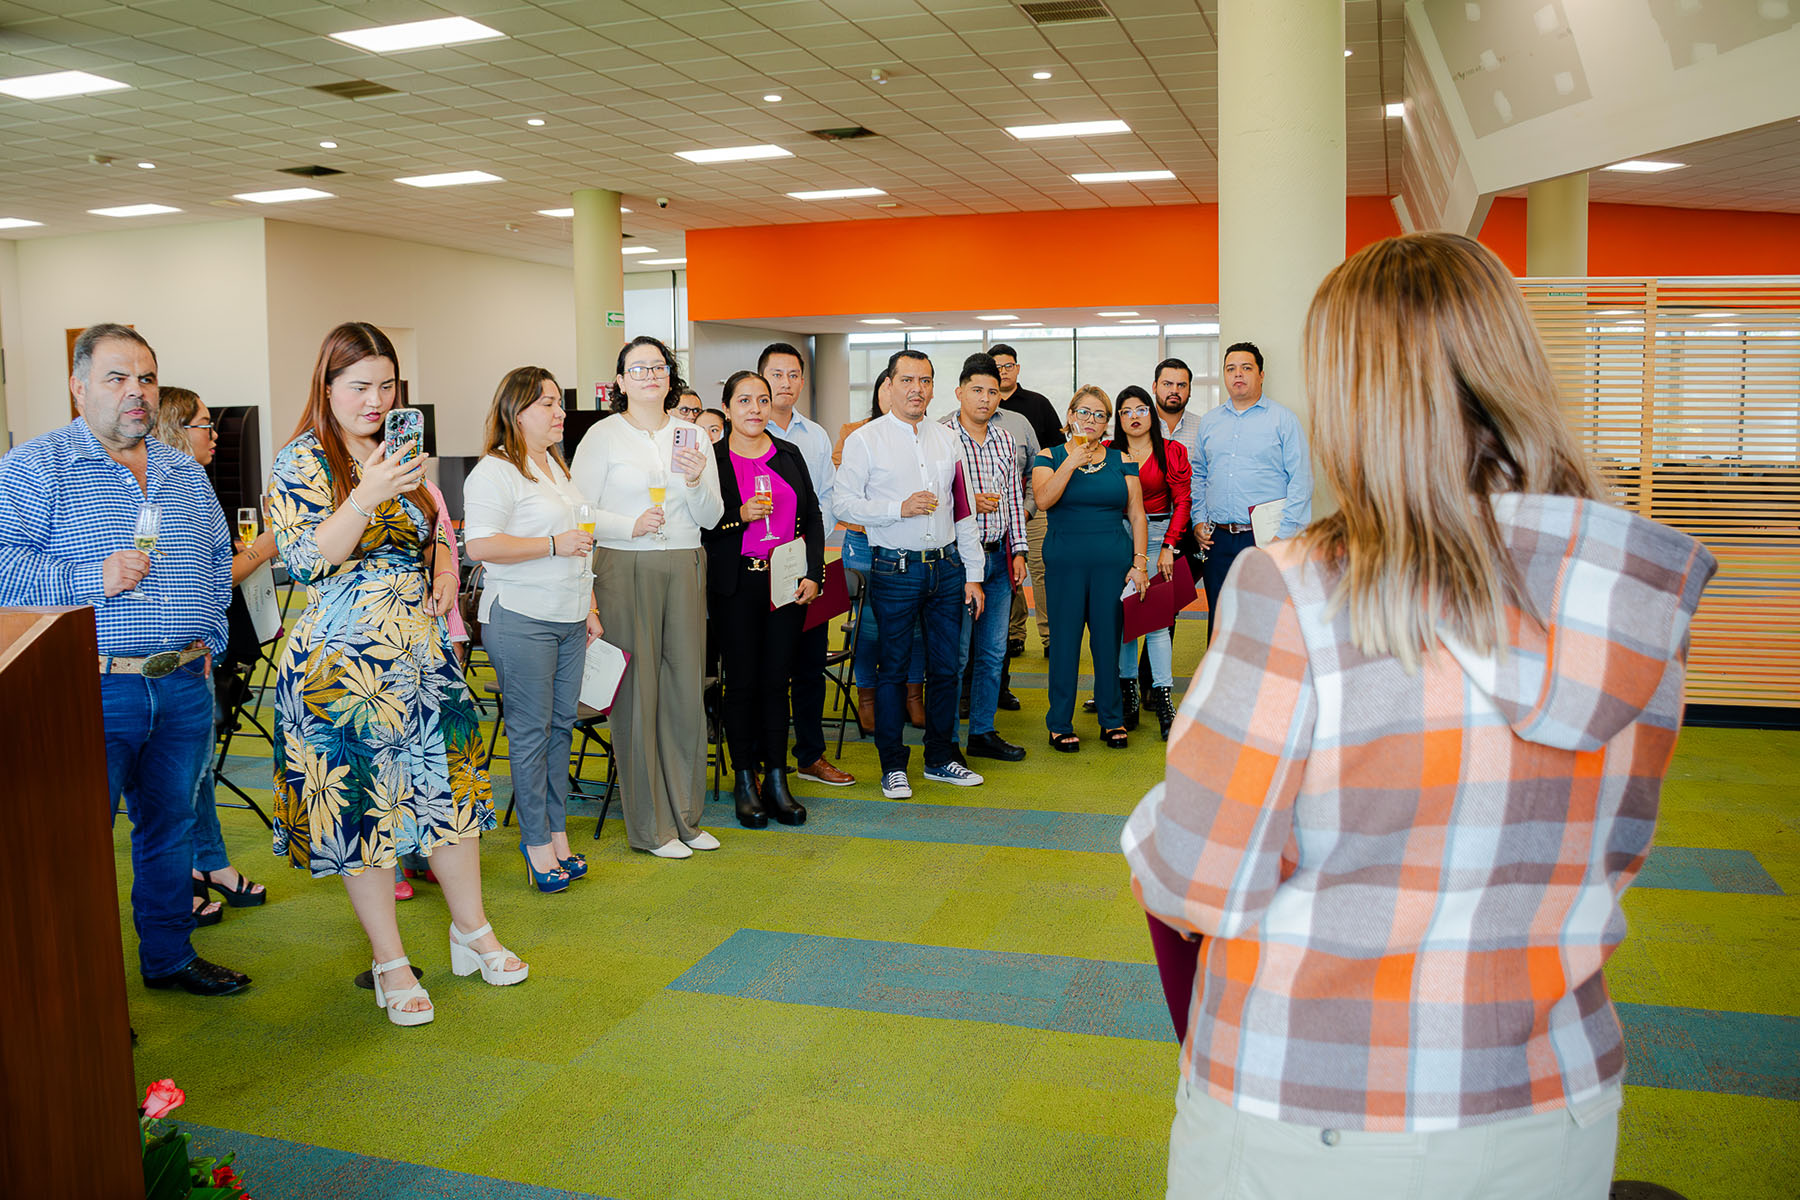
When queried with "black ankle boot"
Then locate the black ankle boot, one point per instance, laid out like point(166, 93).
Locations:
point(777, 801)
point(1163, 705)
point(1128, 694)
point(749, 810)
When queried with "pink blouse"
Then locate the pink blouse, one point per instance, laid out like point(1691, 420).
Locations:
point(787, 505)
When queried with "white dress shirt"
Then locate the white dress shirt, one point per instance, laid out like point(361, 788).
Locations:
point(888, 460)
point(814, 445)
point(498, 499)
point(613, 468)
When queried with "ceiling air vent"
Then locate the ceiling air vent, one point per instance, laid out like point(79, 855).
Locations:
point(356, 89)
point(1056, 12)
point(313, 172)
point(847, 134)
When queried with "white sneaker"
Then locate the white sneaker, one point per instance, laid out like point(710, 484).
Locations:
point(895, 787)
point(673, 849)
point(955, 773)
point(702, 841)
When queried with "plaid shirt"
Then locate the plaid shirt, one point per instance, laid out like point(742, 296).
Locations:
point(1411, 882)
point(993, 466)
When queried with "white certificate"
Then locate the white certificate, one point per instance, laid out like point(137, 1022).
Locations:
point(602, 673)
point(787, 567)
point(1265, 520)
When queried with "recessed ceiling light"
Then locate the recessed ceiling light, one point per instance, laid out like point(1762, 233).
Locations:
point(661, 262)
point(133, 210)
point(58, 84)
point(772, 98)
point(1124, 312)
point(417, 35)
point(17, 223)
point(623, 210)
point(556, 212)
point(881, 321)
point(449, 179)
point(837, 194)
point(283, 195)
point(1348, 53)
point(1027, 325)
point(1396, 109)
point(534, 121)
point(1644, 166)
point(328, 145)
point(889, 204)
point(1026, 133)
point(1120, 176)
point(734, 154)
point(1040, 74)
point(999, 317)
point(638, 250)
point(1140, 321)
point(146, 166)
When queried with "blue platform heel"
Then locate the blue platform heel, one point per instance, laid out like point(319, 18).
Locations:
point(548, 882)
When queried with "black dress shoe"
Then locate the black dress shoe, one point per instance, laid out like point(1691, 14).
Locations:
point(1008, 702)
point(1015, 647)
point(992, 745)
point(777, 801)
point(202, 979)
point(749, 808)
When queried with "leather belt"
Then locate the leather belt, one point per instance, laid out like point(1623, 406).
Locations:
point(152, 666)
point(1235, 528)
point(931, 555)
point(756, 565)
point(996, 544)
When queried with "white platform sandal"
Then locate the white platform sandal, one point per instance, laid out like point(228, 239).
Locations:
point(393, 1001)
point(466, 960)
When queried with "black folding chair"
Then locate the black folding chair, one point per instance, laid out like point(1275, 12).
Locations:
point(240, 691)
point(840, 664)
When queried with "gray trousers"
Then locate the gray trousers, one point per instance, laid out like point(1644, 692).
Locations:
point(539, 664)
point(653, 606)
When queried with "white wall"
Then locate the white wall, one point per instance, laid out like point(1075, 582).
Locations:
point(470, 319)
point(9, 330)
point(196, 292)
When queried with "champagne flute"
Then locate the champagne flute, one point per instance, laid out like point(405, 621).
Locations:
point(247, 525)
point(584, 521)
point(765, 490)
point(659, 492)
point(1206, 531)
point(149, 524)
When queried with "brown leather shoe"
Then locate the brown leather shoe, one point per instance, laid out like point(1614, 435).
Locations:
point(823, 772)
point(915, 705)
point(865, 711)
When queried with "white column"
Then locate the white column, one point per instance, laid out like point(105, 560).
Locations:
point(599, 291)
point(831, 380)
point(1282, 174)
point(1556, 227)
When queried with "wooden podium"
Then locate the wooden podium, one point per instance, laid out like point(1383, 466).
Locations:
point(69, 1104)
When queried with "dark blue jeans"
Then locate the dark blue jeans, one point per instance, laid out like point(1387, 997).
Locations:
point(929, 593)
point(868, 652)
point(158, 734)
point(983, 649)
point(1226, 546)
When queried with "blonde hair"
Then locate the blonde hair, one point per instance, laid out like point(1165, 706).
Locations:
point(1430, 393)
point(1086, 389)
point(174, 410)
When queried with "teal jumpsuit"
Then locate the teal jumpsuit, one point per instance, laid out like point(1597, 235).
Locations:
point(1087, 558)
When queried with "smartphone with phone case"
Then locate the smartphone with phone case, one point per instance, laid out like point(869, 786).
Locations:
point(685, 438)
point(405, 431)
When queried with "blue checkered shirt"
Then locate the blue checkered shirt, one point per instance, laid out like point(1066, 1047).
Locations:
point(66, 505)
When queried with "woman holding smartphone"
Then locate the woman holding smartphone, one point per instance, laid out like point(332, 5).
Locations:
point(654, 489)
point(1164, 479)
point(768, 501)
point(1090, 491)
point(521, 518)
point(380, 752)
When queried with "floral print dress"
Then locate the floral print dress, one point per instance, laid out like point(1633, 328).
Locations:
point(378, 750)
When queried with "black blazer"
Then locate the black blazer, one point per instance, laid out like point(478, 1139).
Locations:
point(724, 542)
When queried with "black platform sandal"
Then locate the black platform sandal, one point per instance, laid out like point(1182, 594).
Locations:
point(239, 897)
point(1115, 739)
point(1068, 743)
point(201, 916)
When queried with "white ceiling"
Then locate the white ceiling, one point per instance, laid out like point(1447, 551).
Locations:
point(1044, 318)
point(221, 100)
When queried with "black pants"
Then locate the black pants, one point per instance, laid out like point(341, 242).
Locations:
point(810, 648)
point(1226, 546)
point(756, 647)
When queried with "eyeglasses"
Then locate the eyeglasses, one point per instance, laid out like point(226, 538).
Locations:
point(647, 370)
point(1133, 413)
point(691, 414)
point(1089, 414)
point(206, 425)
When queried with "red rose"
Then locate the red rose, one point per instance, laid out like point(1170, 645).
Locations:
point(162, 1098)
point(223, 1176)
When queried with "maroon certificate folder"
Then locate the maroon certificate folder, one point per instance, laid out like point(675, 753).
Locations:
point(1177, 962)
point(834, 597)
point(1156, 608)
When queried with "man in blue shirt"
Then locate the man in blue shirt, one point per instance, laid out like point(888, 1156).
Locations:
point(70, 536)
point(785, 370)
point(1246, 452)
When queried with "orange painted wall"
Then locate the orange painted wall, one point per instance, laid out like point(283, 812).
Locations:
point(1093, 258)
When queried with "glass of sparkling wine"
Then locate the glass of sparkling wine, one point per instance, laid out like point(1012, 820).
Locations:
point(584, 521)
point(765, 490)
point(247, 525)
point(659, 493)
point(149, 524)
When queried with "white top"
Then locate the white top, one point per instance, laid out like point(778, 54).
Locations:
point(613, 467)
point(888, 460)
point(497, 498)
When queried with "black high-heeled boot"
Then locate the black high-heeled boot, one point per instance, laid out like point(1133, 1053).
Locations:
point(1128, 695)
point(1163, 705)
point(777, 801)
point(749, 809)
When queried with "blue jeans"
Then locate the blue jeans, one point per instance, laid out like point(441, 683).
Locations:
point(984, 642)
point(856, 558)
point(209, 839)
point(929, 593)
point(158, 732)
point(1159, 642)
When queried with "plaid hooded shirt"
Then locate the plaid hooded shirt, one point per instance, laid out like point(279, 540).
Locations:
point(1410, 882)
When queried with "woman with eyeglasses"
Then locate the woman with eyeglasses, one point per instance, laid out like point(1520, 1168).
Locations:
point(684, 404)
point(1164, 479)
point(768, 502)
point(654, 487)
point(1091, 495)
point(184, 422)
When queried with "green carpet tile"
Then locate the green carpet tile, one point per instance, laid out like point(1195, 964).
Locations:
point(605, 1074)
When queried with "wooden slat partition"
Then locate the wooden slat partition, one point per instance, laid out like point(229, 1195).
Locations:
point(1687, 395)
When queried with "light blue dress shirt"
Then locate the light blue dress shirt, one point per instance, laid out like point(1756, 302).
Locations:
point(814, 445)
point(1249, 457)
point(66, 505)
